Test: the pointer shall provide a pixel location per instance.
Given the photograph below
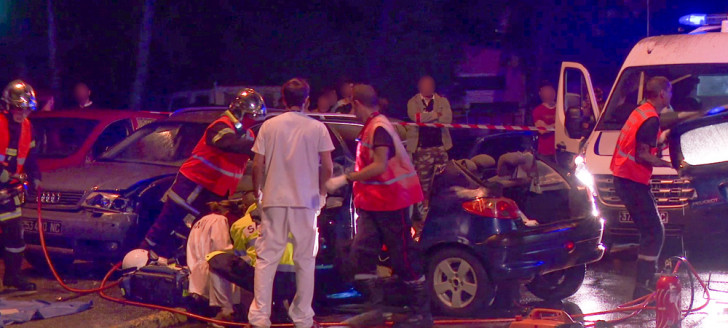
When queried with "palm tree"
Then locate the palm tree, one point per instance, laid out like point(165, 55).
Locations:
point(142, 63)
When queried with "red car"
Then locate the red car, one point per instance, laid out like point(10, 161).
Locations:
point(74, 137)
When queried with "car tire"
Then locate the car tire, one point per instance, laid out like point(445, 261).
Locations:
point(558, 285)
point(464, 288)
point(38, 262)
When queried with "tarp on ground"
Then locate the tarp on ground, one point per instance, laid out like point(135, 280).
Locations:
point(23, 311)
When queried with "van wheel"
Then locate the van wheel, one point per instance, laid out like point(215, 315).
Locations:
point(459, 284)
point(38, 262)
point(558, 285)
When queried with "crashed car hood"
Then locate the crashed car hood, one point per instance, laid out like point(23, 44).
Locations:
point(103, 176)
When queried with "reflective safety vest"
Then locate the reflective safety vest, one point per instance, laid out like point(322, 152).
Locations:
point(214, 169)
point(244, 233)
point(624, 162)
point(26, 139)
point(398, 187)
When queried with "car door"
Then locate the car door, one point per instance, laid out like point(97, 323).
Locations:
point(576, 107)
point(112, 134)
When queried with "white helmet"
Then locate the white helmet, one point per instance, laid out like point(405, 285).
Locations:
point(136, 258)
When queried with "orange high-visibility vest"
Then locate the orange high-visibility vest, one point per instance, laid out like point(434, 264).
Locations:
point(398, 187)
point(624, 162)
point(26, 138)
point(214, 169)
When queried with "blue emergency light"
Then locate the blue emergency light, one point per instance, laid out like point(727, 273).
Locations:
point(703, 19)
point(693, 19)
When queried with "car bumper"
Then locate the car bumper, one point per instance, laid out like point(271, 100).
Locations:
point(543, 249)
point(85, 235)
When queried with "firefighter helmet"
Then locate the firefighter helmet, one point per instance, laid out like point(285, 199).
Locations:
point(18, 94)
point(247, 101)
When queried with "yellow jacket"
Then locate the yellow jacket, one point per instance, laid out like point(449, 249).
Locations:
point(244, 232)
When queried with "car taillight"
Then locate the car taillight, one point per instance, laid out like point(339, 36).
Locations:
point(498, 208)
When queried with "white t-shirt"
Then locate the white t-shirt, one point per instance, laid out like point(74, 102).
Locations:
point(291, 143)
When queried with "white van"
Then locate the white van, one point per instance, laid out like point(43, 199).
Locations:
point(697, 65)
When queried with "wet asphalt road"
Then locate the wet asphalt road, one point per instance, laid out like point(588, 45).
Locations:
point(608, 284)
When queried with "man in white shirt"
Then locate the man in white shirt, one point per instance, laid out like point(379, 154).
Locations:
point(291, 188)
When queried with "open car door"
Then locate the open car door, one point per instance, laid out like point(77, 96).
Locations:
point(576, 107)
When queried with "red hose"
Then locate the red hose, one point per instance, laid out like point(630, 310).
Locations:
point(41, 234)
point(641, 302)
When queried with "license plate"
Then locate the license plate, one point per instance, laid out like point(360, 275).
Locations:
point(51, 227)
point(625, 217)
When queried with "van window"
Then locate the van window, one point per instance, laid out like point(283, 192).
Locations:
point(695, 87)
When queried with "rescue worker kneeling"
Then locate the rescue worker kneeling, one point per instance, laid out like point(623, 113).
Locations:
point(385, 188)
point(221, 256)
point(17, 157)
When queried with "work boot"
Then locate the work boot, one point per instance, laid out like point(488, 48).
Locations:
point(419, 304)
point(374, 315)
point(12, 277)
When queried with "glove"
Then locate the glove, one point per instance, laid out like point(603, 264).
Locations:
point(4, 176)
point(335, 183)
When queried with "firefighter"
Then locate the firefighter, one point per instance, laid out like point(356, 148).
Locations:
point(18, 157)
point(385, 188)
point(211, 174)
point(632, 163)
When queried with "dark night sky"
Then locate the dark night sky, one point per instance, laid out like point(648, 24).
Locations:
point(388, 43)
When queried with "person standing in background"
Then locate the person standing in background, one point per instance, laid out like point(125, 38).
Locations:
point(544, 116)
point(343, 106)
point(427, 145)
point(82, 96)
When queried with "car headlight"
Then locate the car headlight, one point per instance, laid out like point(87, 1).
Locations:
point(587, 179)
point(583, 175)
point(109, 201)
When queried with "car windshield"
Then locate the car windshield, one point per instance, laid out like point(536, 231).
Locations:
point(695, 87)
point(60, 137)
point(166, 143)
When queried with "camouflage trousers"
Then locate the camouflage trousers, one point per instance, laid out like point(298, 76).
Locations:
point(425, 161)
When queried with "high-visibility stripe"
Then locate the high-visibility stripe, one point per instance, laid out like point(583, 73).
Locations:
point(2, 158)
point(181, 202)
point(222, 133)
point(11, 152)
point(193, 195)
point(21, 160)
point(623, 154)
point(10, 215)
point(150, 242)
point(390, 181)
point(216, 168)
point(647, 258)
point(15, 250)
point(32, 144)
point(641, 112)
point(366, 145)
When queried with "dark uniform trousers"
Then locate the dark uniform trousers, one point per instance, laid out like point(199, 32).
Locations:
point(390, 228)
point(185, 201)
point(640, 204)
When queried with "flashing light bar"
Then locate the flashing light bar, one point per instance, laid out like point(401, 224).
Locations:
point(703, 19)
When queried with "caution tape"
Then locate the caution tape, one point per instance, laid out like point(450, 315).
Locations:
point(478, 126)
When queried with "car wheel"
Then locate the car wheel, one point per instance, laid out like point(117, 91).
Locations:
point(38, 262)
point(459, 284)
point(558, 285)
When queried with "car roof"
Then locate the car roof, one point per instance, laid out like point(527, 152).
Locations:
point(107, 115)
point(211, 113)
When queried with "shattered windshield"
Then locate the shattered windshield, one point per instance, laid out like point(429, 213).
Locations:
point(168, 143)
point(695, 87)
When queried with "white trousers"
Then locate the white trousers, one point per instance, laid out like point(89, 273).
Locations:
point(276, 223)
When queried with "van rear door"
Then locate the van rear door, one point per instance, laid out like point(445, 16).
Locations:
point(576, 107)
